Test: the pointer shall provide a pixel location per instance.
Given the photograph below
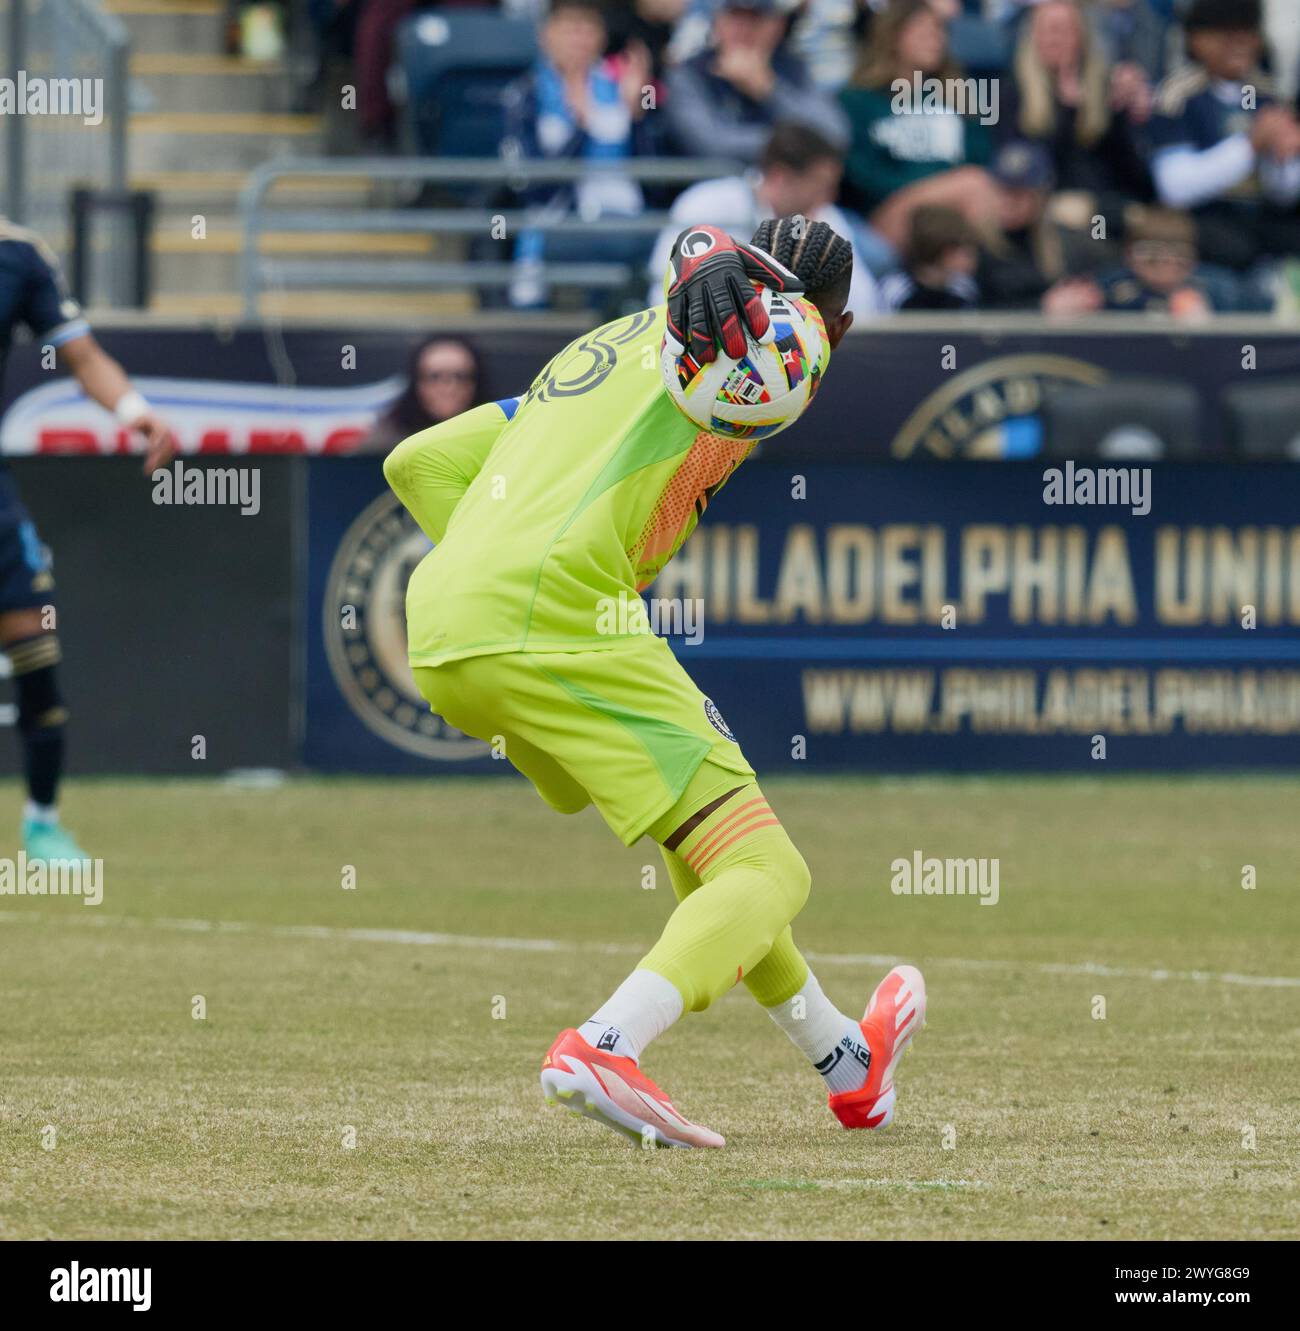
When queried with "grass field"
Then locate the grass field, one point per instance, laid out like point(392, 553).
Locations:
point(497, 923)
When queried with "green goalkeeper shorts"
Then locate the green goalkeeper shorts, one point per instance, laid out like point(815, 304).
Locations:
point(624, 728)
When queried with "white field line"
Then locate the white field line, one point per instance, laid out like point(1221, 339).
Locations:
point(419, 938)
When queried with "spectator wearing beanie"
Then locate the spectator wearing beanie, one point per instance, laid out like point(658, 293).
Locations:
point(1222, 146)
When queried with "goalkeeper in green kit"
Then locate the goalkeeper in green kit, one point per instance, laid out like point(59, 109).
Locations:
point(546, 511)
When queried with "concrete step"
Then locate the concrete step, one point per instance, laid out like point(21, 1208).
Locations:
point(181, 264)
point(352, 307)
point(225, 141)
point(172, 25)
point(179, 195)
point(167, 83)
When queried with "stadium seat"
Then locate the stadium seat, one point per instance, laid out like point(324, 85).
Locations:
point(1131, 417)
point(1264, 420)
point(452, 66)
point(978, 46)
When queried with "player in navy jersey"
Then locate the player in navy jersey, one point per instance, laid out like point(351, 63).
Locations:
point(32, 294)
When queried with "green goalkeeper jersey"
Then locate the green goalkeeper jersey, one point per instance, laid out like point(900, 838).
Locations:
point(550, 512)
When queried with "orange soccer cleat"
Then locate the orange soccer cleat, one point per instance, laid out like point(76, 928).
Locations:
point(614, 1091)
point(896, 1012)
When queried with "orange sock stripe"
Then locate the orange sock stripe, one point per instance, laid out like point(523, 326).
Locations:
point(773, 821)
point(731, 818)
point(713, 834)
point(704, 856)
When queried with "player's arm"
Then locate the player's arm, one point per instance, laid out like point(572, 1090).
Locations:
point(51, 313)
point(430, 471)
point(104, 380)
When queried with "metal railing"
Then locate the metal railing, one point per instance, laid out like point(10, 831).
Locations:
point(70, 65)
point(259, 217)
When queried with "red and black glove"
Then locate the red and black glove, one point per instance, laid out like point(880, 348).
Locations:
point(711, 296)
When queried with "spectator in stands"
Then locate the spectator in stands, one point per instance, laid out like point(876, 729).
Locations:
point(1030, 262)
point(1159, 275)
point(825, 37)
point(640, 32)
point(693, 32)
point(1133, 34)
point(571, 105)
point(376, 25)
point(444, 378)
point(725, 101)
point(939, 264)
point(799, 173)
point(904, 157)
point(332, 25)
point(1067, 97)
point(1222, 147)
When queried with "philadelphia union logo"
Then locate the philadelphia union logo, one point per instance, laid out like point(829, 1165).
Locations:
point(716, 721)
point(968, 417)
point(365, 633)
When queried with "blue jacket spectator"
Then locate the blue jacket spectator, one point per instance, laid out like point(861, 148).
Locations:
point(725, 101)
point(572, 106)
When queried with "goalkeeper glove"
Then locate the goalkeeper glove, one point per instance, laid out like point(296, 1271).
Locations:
point(711, 297)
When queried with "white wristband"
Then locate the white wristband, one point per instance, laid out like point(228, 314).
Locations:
point(130, 407)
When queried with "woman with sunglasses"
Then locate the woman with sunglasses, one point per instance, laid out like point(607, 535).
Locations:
point(444, 379)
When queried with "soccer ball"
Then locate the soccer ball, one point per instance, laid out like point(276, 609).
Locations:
point(767, 388)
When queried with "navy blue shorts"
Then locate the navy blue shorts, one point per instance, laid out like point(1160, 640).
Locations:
point(26, 576)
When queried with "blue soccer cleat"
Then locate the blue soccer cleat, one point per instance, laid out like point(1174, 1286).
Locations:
point(50, 842)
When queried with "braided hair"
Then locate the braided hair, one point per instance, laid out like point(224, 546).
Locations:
point(820, 258)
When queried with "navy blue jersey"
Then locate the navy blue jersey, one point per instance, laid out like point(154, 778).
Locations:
point(32, 292)
point(1191, 113)
point(26, 570)
point(901, 291)
point(1123, 290)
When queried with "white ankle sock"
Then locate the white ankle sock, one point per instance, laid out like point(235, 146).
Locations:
point(40, 813)
point(832, 1042)
point(641, 1008)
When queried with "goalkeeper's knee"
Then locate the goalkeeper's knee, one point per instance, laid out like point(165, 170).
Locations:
point(771, 853)
point(750, 891)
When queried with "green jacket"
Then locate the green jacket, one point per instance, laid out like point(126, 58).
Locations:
point(890, 150)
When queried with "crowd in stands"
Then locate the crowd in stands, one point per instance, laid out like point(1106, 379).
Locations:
point(1067, 156)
